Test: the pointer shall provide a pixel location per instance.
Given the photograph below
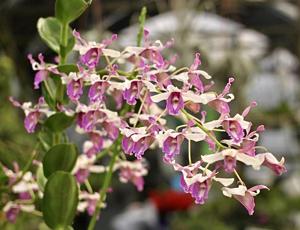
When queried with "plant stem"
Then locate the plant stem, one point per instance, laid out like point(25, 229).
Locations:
point(190, 152)
point(189, 116)
point(239, 178)
point(64, 43)
point(140, 109)
point(103, 190)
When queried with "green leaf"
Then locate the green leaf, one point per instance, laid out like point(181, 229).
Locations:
point(49, 30)
point(68, 10)
point(67, 68)
point(58, 122)
point(60, 157)
point(48, 97)
point(60, 200)
point(142, 19)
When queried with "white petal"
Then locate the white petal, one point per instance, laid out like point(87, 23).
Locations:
point(27, 208)
point(241, 190)
point(203, 98)
point(224, 181)
point(212, 158)
point(97, 169)
point(195, 134)
point(160, 97)
point(249, 160)
point(212, 124)
point(111, 53)
point(150, 86)
point(134, 50)
point(230, 152)
point(183, 77)
point(202, 73)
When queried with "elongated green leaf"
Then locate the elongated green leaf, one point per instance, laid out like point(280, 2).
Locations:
point(60, 157)
point(60, 200)
point(68, 10)
point(58, 122)
point(49, 30)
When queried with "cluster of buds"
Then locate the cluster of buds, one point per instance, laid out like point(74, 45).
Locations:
point(130, 108)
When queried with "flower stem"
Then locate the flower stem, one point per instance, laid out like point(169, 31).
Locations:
point(190, 152)
point(63, 42)
point(239, 178)
point(140, 109)
point(179, 70)
point(198, 123)
point(104, 188)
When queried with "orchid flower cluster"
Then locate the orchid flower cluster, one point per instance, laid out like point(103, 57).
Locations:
point(122, 110)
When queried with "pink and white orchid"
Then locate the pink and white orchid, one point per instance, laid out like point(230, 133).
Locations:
point(244, 196)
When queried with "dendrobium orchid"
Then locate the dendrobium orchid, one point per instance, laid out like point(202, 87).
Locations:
point(124, 109)
point(229, 157)
point(244, 196)
point(33, 113)
point(133, 171)
point(198, 183)
point(42, 69)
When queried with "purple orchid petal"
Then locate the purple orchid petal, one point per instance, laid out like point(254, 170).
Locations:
point(75, 89)
point(40, 76)
point(247, 201)
point(92, 204)
point(196, 82)
point(81, 175)
point(234, 130)
point(197, 62)
point(87, 121)
point(229, 164)
point(248, 147)
point(111, 129)
point(200, 191)
point(31, 120)
point(171, 146)
point(220, 106)
point(97, 91)
point(25, 196)
point(141, 146)
point(154, 56)
point(174, 103)
point(163, 80)
point(127, 145)
point(133, 93)
point(91, 57)
point(12, 214)
point(97, 146)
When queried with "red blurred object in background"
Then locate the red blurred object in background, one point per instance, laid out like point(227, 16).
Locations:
point(171, 200)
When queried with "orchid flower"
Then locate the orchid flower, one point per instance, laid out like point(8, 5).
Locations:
point(42, 69)
point(33, 113)
point(136, 141)
point(90, 52)
point(244, 196)
point(229, 157)
point(88, 202)
point(133, 172)
point(196, 183)
point(175, 99)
